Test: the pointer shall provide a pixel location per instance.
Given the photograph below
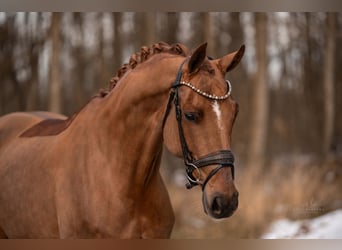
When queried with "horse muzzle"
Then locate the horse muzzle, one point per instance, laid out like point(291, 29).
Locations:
point(220, 206)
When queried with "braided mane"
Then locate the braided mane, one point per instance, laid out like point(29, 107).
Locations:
point(139, 57)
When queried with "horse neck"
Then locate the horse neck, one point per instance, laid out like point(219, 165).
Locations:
point(129, 120)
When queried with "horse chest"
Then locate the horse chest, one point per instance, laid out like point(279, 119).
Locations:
point(152, 218)
point(148, 215)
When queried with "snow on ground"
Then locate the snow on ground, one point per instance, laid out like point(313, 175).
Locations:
point(328, 226)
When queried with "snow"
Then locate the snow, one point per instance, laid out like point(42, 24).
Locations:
point(328, 226)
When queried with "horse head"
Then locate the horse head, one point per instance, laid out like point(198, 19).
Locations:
point(198, 126)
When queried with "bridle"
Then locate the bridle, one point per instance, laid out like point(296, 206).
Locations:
point(223, 158)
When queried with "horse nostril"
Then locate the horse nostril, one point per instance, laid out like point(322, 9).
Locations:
point(236, 194)
point(235, 201)
point(216, 206)
point(222, 207)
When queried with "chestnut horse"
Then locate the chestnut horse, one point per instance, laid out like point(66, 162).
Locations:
point(96, 174)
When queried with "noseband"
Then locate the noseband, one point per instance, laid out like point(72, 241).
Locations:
point(223, 158)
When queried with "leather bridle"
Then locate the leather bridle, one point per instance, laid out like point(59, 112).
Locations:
point(223, 158)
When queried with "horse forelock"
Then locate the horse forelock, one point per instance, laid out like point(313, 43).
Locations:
point(140, 57)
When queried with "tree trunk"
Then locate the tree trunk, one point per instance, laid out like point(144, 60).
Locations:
point(209, 34)
point(117, 53)
point(149, 29)
point(172, 25)
point(103, 70)
point(329, 79)
point(33, 88)
point(261, 97)
point(55, 83)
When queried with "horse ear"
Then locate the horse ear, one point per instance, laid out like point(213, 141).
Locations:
point(197, 58)
point(230, 61)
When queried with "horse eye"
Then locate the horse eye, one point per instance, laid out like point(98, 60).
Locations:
point(191, 116)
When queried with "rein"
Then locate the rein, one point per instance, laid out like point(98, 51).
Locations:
point(223, 158)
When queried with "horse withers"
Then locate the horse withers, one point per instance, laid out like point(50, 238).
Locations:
point(96, 173)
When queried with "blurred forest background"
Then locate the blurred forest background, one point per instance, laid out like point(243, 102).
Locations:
point(287, 137)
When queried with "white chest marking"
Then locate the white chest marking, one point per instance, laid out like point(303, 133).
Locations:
point(217, 111)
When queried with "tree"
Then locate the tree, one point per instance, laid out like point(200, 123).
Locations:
point(117, 48)
point(55, 83)
point(261, 97)
point(208, 32)
point(172, 27)
point(103, 73)
point(329, 79)
point(149, 29)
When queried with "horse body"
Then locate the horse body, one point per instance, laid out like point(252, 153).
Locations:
point(83, 172)
point(96, 174)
